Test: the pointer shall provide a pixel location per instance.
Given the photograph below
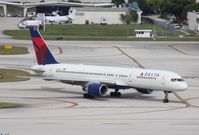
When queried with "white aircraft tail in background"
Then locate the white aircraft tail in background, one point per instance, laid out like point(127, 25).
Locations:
point(56, 18)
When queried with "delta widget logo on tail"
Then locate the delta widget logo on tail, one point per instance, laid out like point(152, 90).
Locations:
point(40, 49)
point(43, 54)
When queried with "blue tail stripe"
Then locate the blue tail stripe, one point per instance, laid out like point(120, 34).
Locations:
point(34, 32)
point(49, 59)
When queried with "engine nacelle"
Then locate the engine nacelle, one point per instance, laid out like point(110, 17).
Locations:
point(96, 89)
point(145, 91)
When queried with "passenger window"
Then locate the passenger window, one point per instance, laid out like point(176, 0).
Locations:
point(177, 79)
point(173, 79)
point(180, 80)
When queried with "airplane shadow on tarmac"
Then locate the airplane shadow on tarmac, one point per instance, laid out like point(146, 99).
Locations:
point(125, 96)
point(144, 97)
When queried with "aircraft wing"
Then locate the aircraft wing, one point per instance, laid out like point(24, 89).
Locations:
point(78, 81)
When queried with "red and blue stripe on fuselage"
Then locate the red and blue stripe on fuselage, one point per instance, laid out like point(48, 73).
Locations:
point(43, 54)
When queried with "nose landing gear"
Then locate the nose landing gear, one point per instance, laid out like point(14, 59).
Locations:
point(166, 98)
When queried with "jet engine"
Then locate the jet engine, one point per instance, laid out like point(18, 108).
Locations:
point(96, 89)
point(145, 91)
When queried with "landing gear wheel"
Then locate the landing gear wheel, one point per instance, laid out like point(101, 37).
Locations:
point(112, 94)
point(118, 94)
point(115, 94)
point(88, 96)
point(166, 98)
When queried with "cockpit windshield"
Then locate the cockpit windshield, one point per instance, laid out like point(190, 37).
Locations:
point(177, 80)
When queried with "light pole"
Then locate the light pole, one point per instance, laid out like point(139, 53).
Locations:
point(154, 32)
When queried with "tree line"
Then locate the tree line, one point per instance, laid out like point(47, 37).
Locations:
point(179, 8)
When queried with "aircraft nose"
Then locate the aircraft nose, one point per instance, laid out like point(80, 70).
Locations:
point(184, 86)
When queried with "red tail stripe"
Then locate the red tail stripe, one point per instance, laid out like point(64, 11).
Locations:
point(42, 48)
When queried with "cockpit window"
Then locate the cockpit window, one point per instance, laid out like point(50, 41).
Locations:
point(177, 80)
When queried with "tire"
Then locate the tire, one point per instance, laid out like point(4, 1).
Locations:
point(88, 96)
point(112, 94)
point(118, 94)
point(165, 100)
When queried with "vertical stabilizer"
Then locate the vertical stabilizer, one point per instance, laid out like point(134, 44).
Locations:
point(43, 54)
point(71, 14)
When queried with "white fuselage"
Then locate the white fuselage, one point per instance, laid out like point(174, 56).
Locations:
point(127, 77)
point(58, 19)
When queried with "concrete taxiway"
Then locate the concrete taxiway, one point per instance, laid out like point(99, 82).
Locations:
point(56, 108)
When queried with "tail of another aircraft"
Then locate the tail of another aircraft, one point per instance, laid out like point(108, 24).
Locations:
point(71, 14)
point(43, 54)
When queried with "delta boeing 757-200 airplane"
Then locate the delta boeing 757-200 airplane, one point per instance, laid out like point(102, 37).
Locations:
point(96, 80)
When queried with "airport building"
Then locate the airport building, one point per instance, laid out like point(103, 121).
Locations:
point(98, 15)
point(88, 11)
point(21, 8)
point(193, 21)
point(143, 33)
point(36, 1)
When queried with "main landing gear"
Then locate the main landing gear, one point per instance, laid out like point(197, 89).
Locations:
point(88, 96)
point(166, 98)
point(116, 93)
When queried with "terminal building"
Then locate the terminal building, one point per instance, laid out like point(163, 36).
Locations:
point(87, 11)
point(98, 15)
point(21, 8)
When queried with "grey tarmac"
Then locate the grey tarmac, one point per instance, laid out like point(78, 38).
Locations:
point(50, 107)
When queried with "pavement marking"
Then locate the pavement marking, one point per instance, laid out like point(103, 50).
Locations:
point(178, 50)
point(185, 124)
point(60, 50)
point(193, 99)
point(181, 99)
point(72, 104)
point(49, 104)
point(190, 77)
point(90, 117)
point(193, 86)
point(131, 58)
point(111, 123)
point(50, 123)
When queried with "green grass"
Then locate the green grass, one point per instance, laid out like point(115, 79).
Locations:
point(89, 32)
point(102, 33)
point(10, 75)
point(7, 105)
point(14, 51)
